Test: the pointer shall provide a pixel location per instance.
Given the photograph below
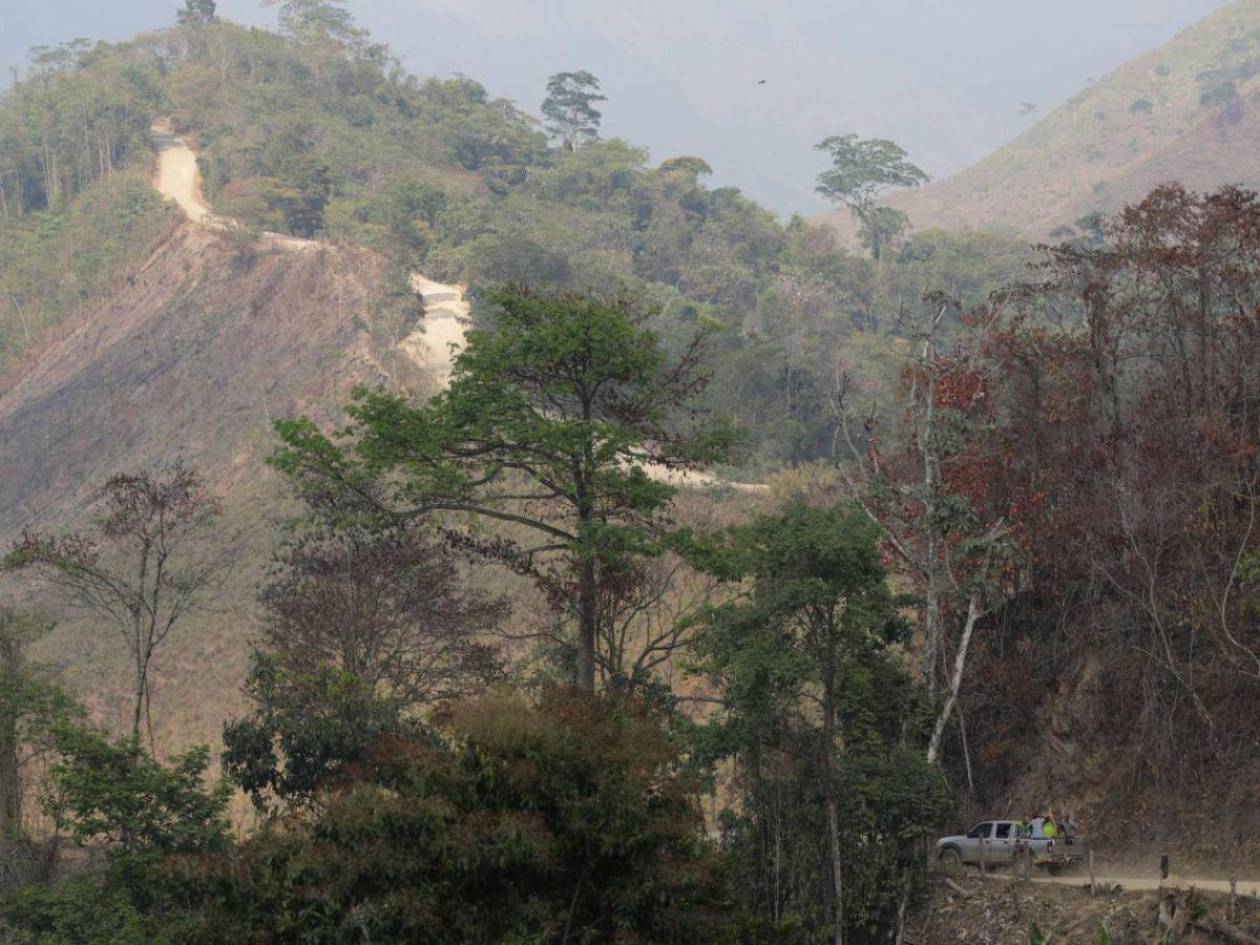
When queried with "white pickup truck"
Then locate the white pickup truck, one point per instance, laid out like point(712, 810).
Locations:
point(994, 843)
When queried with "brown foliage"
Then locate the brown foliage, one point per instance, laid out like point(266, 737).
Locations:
point(388, 607)
point(568, 819)
point(1127, 450)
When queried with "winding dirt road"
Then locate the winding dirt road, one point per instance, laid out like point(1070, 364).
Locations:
point(447, 316)
point(1128, 878)
point(1244, 887)
point(177, 175)
point(179, 178)
point(446, 320)
point(433, 346)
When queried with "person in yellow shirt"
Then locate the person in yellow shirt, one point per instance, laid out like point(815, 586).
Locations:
point(1050, 829)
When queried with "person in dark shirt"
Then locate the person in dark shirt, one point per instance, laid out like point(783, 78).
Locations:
point(1068, 826)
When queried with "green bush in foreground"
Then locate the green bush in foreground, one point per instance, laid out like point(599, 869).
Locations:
point(83, 912)
point(561, 821)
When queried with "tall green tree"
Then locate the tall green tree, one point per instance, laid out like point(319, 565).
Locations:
point(861, 170)
point(558, 422)
point(569, 108)
point(816, 707)
point(318, 22)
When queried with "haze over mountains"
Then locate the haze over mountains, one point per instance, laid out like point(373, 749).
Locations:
point(943, 78)
point(1187, 111)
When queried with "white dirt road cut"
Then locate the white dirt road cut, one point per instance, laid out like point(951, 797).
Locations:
point(441, 335)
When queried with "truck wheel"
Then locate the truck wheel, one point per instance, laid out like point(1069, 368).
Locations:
point(951, 860)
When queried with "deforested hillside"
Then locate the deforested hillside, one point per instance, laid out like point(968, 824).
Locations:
point(1187, 111)
point(190, 353)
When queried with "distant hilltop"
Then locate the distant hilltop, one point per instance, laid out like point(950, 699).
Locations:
point(1189, 111)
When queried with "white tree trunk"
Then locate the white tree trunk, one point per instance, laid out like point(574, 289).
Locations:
point(974, 613)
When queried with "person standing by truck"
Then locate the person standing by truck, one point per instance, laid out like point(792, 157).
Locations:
point(1037, 828)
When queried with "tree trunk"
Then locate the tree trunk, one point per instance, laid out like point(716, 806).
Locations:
point(837, 876)
point(962, 732)
point(931, 615)
point(931, 484)
point(1227, 931)
point(833, 806)
point(138, 711)
point(900, 934)
point(139, 686)
point(586, 626)
point(960, 662)
point(10, 780)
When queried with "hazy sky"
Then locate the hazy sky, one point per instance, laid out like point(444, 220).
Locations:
point(942, 77)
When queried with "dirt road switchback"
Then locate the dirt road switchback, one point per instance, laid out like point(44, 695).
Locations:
point(177, 176)
point(447, 316)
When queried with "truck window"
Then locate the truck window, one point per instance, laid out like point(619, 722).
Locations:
point(1004, 831)
point(980, 831)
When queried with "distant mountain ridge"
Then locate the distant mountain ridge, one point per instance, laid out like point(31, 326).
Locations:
point(1187, 111)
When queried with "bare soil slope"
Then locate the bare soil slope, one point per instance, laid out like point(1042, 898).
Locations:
point(190, 354)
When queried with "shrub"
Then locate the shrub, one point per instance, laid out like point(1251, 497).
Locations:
point(83, 912)
point(565, 819)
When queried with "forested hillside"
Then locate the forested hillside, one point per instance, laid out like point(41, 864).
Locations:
point(1185, 112)
point(302, 641)
point(321, 134)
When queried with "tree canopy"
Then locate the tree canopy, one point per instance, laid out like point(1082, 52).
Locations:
point(560, 420)
point(861, 170)
point(569, 108)
point(197, 12)
point(825, 723)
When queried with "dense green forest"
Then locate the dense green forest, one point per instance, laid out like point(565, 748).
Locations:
point(992, 468)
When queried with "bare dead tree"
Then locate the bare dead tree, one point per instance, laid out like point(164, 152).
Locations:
point(141, 567)
point(644, 621)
